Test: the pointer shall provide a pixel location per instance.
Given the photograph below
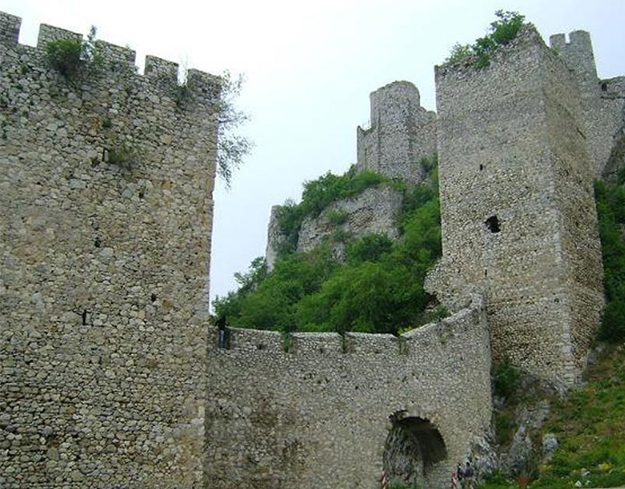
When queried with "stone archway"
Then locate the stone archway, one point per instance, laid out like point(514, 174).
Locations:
point(412, 449)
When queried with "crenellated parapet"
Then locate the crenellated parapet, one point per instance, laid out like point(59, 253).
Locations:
point(578, 54)
point(106, 205)
point(161, 73)
point(316, 408)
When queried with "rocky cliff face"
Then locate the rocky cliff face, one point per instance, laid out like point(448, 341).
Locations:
point(373, 211)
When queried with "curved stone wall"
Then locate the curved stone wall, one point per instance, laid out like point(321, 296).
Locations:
point(318, 415)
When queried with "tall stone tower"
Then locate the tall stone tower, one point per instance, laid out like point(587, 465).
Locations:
point(518, 213)
point(401, 132)
point(105, 216)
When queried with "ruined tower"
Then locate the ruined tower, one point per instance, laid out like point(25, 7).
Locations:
point(106, 207)
point(518, 214)
point(603, 101)
point(401, 132)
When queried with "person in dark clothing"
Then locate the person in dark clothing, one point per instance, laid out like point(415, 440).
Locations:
point(221, 329)
point(467, 476)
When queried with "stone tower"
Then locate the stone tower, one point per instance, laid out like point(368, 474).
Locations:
point(603, 101)
point(518, 213)
point(106, 208)
point(401, 132)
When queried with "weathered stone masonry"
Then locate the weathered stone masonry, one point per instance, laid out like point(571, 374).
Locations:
point(518, 213)
point(103, 270)
point(401, 132)
point(106, 210)
point(603, 101)
point(319, 414)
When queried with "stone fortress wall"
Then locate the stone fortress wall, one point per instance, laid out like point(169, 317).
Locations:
point(105, 377)
point(603, 101)
point(517, 205)
point(519, 144)
point(103, 270)
point(320, 414)
point(401, 132)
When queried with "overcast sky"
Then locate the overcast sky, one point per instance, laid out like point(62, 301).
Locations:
point(310, 67)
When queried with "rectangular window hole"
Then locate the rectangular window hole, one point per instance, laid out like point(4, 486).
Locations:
point(492, 223)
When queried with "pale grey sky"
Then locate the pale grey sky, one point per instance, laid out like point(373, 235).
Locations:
point(309, 67)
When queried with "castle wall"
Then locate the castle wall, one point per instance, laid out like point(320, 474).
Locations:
point(603, 104)
point(106, 197)
point(401, 133)
point(318, 415)
point(517, 207)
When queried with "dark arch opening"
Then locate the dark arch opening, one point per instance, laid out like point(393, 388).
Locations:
point(412, 448)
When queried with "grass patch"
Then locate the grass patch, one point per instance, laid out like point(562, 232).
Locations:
point(590, 427)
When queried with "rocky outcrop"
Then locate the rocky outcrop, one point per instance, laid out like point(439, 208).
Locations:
point(373, 211)
point(274, 237)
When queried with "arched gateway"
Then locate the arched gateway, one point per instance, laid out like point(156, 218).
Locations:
point(413, 449)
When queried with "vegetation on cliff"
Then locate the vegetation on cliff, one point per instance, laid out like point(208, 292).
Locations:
point(590, 427)
point(378, 290)
point(611, 209)
point(318, 195)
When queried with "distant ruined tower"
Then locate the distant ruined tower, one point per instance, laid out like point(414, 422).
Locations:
point(603, 101)
point(401, 132)
point(518, 214)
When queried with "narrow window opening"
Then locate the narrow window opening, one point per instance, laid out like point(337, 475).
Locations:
point(604, 87)
point(84, 318)
point(481, 167)
point(492, 223)
point(486, 273)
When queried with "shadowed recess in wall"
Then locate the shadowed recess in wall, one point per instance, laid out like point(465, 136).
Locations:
point(412, 447)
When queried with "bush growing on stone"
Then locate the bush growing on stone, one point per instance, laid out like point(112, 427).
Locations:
point(506, 27)
point(123, 155)
point(74, 58)
point(337, 217)
point(506, 378)
point(611, 211)
point(232, 148)
point(378, 290)
point(503, 30)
